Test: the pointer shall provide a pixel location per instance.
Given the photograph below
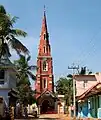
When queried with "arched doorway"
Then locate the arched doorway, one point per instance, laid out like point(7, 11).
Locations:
point(46, 107)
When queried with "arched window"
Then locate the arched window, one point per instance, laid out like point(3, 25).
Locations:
point(2, 74)
point(44, 83)
point(44, 36)
point(45, 66)
point(44, 49)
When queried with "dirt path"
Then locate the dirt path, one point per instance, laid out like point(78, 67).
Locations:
point(50, 117)
point(54, 116)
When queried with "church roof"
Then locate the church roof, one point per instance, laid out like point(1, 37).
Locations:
point(5, 63)
point(46, 93)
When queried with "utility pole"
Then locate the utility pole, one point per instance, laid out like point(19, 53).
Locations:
point(73, 67)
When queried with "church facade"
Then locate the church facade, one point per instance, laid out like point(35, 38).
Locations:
point(44, 84)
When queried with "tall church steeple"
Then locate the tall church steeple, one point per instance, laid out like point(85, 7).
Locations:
point(44, 76)
point(44, 46)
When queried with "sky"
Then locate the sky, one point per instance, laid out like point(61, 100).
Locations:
point(74, 27)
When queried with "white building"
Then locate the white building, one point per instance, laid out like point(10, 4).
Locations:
point(7, 78)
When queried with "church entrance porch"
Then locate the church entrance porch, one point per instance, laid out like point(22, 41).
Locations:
point(47, 103)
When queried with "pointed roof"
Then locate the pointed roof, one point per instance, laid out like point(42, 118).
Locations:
point(46, 92)
point(44, 23)
point(44, 45)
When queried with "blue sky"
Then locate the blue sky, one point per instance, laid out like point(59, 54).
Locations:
point(74, 27)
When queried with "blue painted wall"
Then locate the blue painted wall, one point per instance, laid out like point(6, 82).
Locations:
point(83, 109)
point(90, 107)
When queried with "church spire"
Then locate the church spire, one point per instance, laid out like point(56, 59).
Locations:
point(44, 24)
point(44, 46)
point(44, 75)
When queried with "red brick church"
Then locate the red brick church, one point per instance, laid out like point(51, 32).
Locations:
point(44, 84)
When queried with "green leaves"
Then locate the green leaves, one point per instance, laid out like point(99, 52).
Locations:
point(18, 32)
point(14, 19)
point(24, 68)
point(8, 33)
point(2, 9)
point(64, 86)
point(5, 24)
point(9, 38)
point(32, 76)
point(18, 46)
point(4, 49)
point(24, 74)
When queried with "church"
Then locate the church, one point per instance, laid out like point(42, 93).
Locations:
point(44, 84)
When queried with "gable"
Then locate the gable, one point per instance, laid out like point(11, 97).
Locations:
point(47, 94)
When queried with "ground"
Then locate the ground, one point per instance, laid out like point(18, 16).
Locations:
point(51, 117)
point(54, 117)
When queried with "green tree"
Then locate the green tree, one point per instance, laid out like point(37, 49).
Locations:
point(64, 86)
point(9, 35)
point(24, 71)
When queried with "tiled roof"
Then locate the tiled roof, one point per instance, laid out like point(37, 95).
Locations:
point(90, 90)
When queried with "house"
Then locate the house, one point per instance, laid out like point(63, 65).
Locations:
point(84, 82)
point(88, 95)
point(89, 103)
point(7, 78)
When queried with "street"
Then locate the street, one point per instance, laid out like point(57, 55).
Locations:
point(51, 116)
point(47, 117)
point(40, 119)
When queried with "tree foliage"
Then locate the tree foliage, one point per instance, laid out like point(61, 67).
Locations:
point(26, 94)
point(9, 35)
point(64, 86)
point(24, 69)
point(24, 73)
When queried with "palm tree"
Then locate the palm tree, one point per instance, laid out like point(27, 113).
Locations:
point(8, 35)
point(24, 70)
point(24, 73)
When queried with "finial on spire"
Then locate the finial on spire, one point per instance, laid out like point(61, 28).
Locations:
point(44, 8)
